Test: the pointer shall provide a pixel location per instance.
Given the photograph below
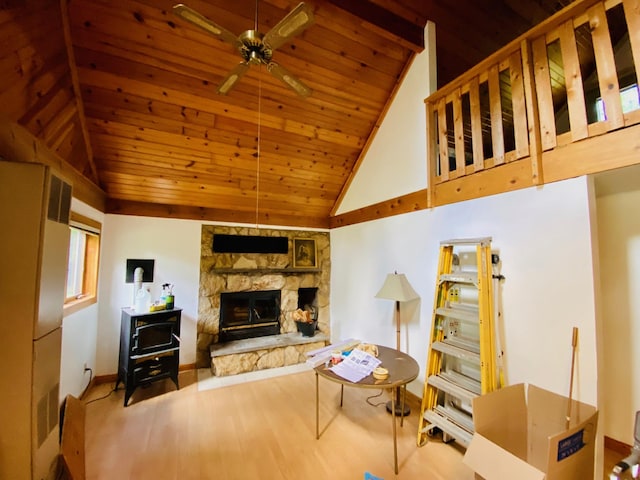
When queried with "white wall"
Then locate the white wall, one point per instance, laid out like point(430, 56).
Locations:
point(398, 152)
point(175, 246)
point(619, 238)
point(543, 238)
point(79, 333)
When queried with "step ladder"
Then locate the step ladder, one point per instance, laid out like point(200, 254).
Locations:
point(462, 361)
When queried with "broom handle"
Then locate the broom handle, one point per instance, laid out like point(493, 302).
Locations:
point(574, 344)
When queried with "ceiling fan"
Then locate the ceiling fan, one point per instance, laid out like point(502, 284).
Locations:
point(254, 47)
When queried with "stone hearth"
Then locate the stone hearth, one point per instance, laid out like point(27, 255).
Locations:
point(259, 353)
point(238, 272)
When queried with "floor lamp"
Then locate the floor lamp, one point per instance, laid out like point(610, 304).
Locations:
point(396, 287)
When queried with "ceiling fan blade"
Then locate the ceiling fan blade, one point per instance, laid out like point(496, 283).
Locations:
point(291, 25)
point(292, 82)
point(204, 23)
point(232, 78)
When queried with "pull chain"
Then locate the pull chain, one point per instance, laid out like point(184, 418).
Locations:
point(259, 130)
point(259, 141)
point(256, 24)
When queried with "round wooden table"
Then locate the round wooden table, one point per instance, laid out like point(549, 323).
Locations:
point(402, 370)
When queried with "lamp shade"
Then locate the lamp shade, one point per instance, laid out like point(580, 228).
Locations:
point(397, 287)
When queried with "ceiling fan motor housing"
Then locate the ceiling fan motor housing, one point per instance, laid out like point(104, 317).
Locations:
point(253, 50)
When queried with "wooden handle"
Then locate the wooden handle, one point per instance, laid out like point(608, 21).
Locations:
point(574, 345)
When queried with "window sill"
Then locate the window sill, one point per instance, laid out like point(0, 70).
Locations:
point(77, 305)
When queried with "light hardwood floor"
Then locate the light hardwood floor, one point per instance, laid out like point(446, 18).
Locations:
point(263, 429)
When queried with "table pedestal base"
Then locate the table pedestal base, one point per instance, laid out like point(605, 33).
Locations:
point(398, 407)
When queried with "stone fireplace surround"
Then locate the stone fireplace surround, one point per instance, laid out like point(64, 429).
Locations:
point(237, 272)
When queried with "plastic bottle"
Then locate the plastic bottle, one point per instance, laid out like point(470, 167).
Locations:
point(142, 300)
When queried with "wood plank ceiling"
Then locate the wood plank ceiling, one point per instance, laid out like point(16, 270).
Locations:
point(164, 143)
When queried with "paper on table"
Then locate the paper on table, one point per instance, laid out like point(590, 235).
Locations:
point(356, 366)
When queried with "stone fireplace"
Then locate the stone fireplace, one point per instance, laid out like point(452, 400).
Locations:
point(241, 275)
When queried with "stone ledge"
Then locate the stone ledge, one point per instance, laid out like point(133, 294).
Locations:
point(242, 356)
point(264, 343)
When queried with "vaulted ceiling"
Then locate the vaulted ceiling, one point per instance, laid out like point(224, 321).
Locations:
point(151, 131)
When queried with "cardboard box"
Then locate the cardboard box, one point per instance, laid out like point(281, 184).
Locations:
point(521, 433)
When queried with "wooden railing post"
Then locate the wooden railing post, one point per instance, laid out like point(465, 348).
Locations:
point(432, 153)
point(497, 132)
point(476, 125)
point(606, 66)
point(443, 139)
point(573, 80)
point(519, 103)
point(533, 117)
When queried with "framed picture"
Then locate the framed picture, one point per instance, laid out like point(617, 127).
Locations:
point(305, 254)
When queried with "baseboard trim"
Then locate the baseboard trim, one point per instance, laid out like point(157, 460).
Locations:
point(100, 379)
point(617, 446)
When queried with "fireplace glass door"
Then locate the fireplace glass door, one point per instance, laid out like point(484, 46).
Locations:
point(249, 314)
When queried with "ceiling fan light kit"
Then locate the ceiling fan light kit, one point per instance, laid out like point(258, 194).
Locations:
point(254, 47)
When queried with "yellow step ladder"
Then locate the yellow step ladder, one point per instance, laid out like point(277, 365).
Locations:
point(461, 361)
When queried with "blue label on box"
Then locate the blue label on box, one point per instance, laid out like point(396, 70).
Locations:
point(570, 445)
point(368, 476)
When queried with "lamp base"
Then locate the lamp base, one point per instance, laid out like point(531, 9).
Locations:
point(399, 411)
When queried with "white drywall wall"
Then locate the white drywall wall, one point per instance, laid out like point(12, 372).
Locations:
point(396, 161)
point(619, 238)
point(542, 237)
point(175, 247)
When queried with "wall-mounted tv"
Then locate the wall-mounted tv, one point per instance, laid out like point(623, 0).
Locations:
point(223, 243)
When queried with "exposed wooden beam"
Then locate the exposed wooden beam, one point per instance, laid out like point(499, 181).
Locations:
point(386, 21)
point(19, 145)
point(64, 10)
point(125, 207)
point(395, 206)
point(616, 149)
point(372, 136)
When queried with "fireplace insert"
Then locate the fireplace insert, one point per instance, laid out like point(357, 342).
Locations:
point(150, 337)
point(249, 314)
point(149, 348)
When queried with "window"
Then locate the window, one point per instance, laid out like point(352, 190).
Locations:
point(630, 98)
point(82, 270)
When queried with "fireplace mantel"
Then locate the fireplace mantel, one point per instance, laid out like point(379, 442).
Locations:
point(260, 271)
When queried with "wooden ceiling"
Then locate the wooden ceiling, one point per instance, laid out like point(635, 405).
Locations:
point(160, 141)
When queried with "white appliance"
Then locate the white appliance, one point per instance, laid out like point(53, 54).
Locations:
point(34, 238)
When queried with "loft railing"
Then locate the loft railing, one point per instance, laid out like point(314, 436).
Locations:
point(571, 78)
